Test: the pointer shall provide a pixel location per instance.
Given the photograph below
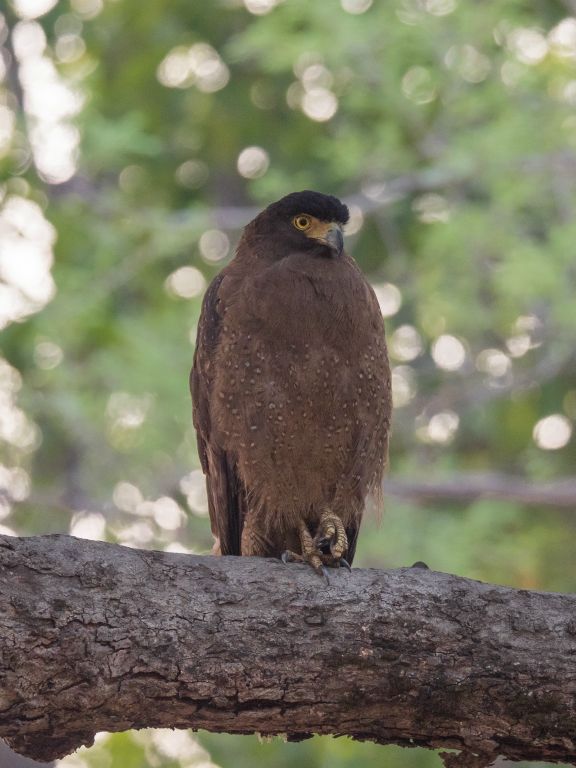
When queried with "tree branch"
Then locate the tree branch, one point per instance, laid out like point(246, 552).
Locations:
point(465, 488)
point(474, 391)
point(459, 488)
point(95, 637)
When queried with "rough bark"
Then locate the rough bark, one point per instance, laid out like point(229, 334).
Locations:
point(96, 637)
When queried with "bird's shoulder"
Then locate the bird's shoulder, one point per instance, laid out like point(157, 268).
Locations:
point(295, 275)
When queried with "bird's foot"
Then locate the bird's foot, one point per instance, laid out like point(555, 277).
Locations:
point(310, 553)
point(331, 540)
point(326, 548)
point(312, 558)
point(291, 557)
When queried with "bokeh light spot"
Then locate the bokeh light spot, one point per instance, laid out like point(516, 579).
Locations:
point(470, 64)
point(389, 298)
point(405, 343)
point(10, 378)
point(294, 95)
point(319, 104)
point(199, 65)
point(182, 747)
point(518, 345)
point(127, 412)
point(439, 7)
point(356, 7)
point(136, 535)
point(33, 9)
point(7, 124)
point(253, 162)
point(562, 38)
point(48, 355)
point(529, 45)
point(494, 362)
point(192, 174)
point(441, 428)
point(193, 486)
point(88, 9)
point(69, 48)
point(26, 257)
point(417, 85)
point(403, 385)
point(448, 352)
point(15, 481)
point(214, 245)
point(356, 220)
point(167, 514)
point(260, 7)
point(127, 496)
point(316, 76)
point(88, 525)
point(28, 39)
point(186, 283)
point(431, 208)
point(552, 432)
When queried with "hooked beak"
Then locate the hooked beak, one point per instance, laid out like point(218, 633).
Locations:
point(334, 239)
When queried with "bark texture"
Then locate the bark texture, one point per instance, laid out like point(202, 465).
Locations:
point(100, 637)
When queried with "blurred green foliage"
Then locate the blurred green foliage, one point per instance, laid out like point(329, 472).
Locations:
point(146, 134)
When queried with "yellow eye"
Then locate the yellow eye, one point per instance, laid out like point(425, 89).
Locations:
point(301, 221)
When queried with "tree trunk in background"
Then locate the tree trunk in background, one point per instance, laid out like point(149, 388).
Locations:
point(98, 637)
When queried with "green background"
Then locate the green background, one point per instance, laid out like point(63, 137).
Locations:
point(450, 129)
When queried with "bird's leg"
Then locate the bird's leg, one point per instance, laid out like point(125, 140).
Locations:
point(331, 539)
point(310, 553)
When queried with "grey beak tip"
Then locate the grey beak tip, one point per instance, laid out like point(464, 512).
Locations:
point(336, 240)
point(339, 241)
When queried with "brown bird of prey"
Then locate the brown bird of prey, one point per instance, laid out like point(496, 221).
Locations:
point(291, 389)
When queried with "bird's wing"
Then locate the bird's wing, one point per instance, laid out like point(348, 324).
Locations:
point(352, 535)
point(224, 496)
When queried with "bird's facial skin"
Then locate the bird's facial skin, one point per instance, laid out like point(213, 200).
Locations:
point(328, 233)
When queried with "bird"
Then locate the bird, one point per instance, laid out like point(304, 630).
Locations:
point(291, 389)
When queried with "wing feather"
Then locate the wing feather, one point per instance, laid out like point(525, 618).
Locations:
point(222, 483)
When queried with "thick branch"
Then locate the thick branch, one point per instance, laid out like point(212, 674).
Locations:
point(99, 637)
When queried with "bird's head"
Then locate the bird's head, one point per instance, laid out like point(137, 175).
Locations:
point(303, 221)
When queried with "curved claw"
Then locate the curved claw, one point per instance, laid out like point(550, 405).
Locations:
point(344, 564)
point(325, 574)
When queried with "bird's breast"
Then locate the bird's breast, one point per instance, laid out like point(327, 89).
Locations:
point(302, 376)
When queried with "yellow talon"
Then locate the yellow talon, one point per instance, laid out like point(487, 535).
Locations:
point(326, 548)
point(309, 551)
point(331, 531)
